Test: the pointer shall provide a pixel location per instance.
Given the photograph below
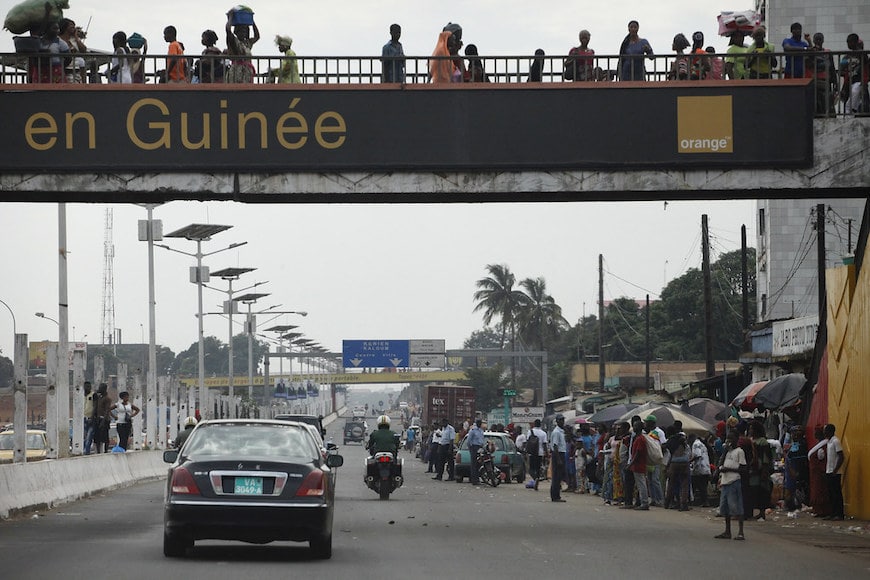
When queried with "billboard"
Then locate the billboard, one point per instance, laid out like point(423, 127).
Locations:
point(287, 128)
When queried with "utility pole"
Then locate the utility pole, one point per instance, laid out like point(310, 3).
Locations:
point(708, 298)
point(820, 247)
point(601, 369)
point(648, 354)
point(744, 287)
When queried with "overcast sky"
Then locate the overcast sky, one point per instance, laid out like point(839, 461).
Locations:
point(361, 27)
point(365, 271)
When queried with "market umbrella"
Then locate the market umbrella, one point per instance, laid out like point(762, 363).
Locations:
point(666, 414)
point(609, 415)
point(709, 410)
point(746, 398)
point(781, 392)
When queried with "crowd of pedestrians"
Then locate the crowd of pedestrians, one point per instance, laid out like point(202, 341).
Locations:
point(752, 462)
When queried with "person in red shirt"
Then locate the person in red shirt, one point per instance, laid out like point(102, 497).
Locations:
point(637, 465)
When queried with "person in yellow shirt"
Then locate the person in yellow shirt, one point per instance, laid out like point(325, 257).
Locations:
point(760, 66)
point(288, 72)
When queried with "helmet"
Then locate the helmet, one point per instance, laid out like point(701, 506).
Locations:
point(190, 422)
point(383, 420)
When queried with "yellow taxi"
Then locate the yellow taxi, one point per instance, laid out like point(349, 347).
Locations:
point(36, 444)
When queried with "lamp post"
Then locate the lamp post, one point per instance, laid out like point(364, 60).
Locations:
point(251, 329)
point(42, 315)
point(200, 233)
point(151, 230)
point(230, 308)
point(281, 329)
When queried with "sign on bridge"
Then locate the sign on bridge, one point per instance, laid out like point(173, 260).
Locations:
point(374, 353)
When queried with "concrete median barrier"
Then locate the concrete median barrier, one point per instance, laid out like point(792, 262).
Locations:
point(46, 484)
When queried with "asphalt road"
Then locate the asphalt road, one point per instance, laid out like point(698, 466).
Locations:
point(427, 528)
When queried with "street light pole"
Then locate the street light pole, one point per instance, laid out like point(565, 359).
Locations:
point(61, 421)
point(229, 308)
point(200, 233)
point(151, 230)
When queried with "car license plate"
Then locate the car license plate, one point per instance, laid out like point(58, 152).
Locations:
point(249, 486)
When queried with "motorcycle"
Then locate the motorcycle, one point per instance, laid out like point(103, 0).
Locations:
point(486, 468)
point(383, 474)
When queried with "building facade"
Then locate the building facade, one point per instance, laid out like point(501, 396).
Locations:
point(836, 19)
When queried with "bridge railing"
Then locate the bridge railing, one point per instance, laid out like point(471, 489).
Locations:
point(96, 68)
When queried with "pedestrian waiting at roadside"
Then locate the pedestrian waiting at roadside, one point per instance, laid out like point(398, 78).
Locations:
point(732, 467)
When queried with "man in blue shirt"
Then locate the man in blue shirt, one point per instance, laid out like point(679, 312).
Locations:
point(794, 65)
point(558, 447)
point(475, 443)
point(393, 58)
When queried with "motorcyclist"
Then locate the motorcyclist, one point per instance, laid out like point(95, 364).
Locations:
point(383, 439)
point(189, 424)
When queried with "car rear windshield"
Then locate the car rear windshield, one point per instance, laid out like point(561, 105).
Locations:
point(498, 441)
point(221, 439)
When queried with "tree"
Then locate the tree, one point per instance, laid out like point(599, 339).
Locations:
point(7, 371)
point(480, 339)
point(497, 298)
point(486, 382)
point(538, 315)
point(679, 316)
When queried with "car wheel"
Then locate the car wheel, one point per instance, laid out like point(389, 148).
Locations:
point(321, 547)
point(175, 546)
point(459, 478)
point(521, 476)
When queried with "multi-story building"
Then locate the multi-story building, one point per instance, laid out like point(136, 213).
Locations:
point(836, 19)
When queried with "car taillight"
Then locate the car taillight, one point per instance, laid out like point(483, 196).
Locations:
point(458, 458)
point(314, 484)
point(183, 482)
point(505, 459)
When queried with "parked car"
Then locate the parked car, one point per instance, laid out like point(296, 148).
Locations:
point(506, 458)
point(36, 445)
point(251, 480)
point(355, 430)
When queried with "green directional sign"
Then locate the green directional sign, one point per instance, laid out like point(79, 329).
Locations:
point(507, 392)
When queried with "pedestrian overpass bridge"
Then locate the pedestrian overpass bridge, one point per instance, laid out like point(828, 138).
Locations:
point(428, 143)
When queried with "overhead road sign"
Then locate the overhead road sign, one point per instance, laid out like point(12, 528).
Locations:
point(426, 361)
point(434, 346)
point(374, 353)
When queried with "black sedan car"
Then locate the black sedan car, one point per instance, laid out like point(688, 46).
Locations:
point(251, 480)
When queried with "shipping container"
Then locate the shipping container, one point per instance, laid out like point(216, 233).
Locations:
point(451, 402)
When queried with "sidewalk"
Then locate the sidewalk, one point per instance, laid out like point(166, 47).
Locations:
point(850, 536)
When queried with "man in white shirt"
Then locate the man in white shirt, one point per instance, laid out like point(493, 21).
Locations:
point(536, 455)
point(731, 496)
point(832, 473)
point(656, 493)
point(445, 457)
point(557, 458)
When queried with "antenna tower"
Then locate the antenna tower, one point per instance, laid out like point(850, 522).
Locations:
point(108, 317)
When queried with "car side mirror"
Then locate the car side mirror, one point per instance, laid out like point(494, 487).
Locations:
point(170, 455)
point(334, 461)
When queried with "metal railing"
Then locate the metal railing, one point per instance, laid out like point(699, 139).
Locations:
point(95, 68)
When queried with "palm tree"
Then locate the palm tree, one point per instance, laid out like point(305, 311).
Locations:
point(539, 315)
point(497, 298)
